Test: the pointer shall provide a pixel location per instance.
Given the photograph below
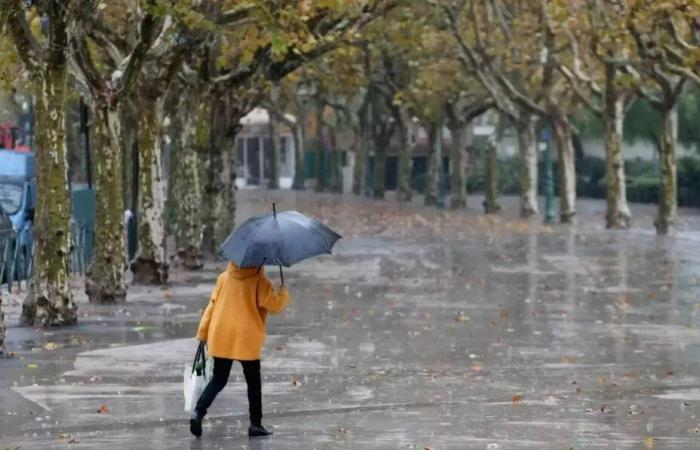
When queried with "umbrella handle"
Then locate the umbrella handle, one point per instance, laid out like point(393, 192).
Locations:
point(281, 275)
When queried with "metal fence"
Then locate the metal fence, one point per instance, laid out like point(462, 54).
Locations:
point(15, 260)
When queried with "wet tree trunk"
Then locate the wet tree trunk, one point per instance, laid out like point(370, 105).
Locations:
point(618, 214)
point(432, 178)
point(299, 183)
point(215, 179)
point(150, 265)
point(527, 147)
point(336, 184)
point(49, 301)
point(379, 176)
point(458, 182)
point(129, 147)
point(186, 188)
point(567, 167)
point(230, 192)
point(668, 197)
point(274, 181)
point(359, 170)
point(491, 205)
point(320, 151)
point(404, 188)
point(105, 280)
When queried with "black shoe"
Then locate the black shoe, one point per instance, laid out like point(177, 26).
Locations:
point(196, 424)
point(258, 431)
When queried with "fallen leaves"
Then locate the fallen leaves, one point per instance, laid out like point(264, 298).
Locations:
point(565, 360)
point(649, 443)
point(50, 346)
point(517, 399)
point(103, 409)
point(460, 317)
point(296, 382)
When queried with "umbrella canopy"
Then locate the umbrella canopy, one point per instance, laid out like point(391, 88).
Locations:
point(278, 239)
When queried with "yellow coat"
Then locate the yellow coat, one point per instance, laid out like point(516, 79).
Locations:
point(233, 325)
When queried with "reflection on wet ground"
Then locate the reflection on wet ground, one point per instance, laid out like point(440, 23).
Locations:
point(498, 335)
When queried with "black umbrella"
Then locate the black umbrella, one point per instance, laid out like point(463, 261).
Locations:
point(278, 239)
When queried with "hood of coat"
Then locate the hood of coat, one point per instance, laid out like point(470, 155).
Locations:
point(241, 273)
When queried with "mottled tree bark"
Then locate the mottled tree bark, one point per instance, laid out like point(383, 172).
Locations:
point(49, 300)
point(491, 205)
point(208, 123)
point(432, 176)
point(105, 280)
point(404, 188)
point(618, 213)
point(458, 182)
point(567, 167)
point(150, 265)
point(130, 163)
point(186, 187)
point(668, 197)
point(527, 147)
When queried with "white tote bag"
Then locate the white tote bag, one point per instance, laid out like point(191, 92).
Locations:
point(196, 377)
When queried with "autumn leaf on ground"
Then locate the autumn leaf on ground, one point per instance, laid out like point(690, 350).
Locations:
point(504, 314)
point(50, 346)
point(517, 398)
point(168, 294)
point(565, 360)
point(460, 317)
point(649, 443)
point(103, 409)
point(296, 383)
point(624, 300)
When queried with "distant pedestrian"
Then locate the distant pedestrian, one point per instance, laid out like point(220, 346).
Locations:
point(233, 325)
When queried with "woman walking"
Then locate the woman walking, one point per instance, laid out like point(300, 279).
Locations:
point(233, 325)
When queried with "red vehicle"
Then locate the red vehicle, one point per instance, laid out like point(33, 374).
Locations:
point(9, 134)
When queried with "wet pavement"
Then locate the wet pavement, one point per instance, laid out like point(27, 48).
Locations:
point(426, 329)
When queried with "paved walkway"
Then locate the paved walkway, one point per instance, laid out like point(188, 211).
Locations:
point(427, 329)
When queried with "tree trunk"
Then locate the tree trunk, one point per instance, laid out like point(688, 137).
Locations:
point(336, 161)
point(618, 214)
point(129, 148)
point(668, 198)
point(320, 153)
point(150, 265)
point(432, 175)
point(527, 147)
point(230, 190)
point(362, 150)
point(379, 176)
point(216, 179)
point(105, 281)
point(491, 205)
point(186, 188)
point(567, 167)
point(299, 182)
point(404, 188)
point(49, 301)
point(458, 182)
point(274, 181)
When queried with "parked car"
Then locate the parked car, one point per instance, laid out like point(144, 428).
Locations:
point(17, 200)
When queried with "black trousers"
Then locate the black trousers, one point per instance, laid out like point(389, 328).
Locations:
point(222, 370)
